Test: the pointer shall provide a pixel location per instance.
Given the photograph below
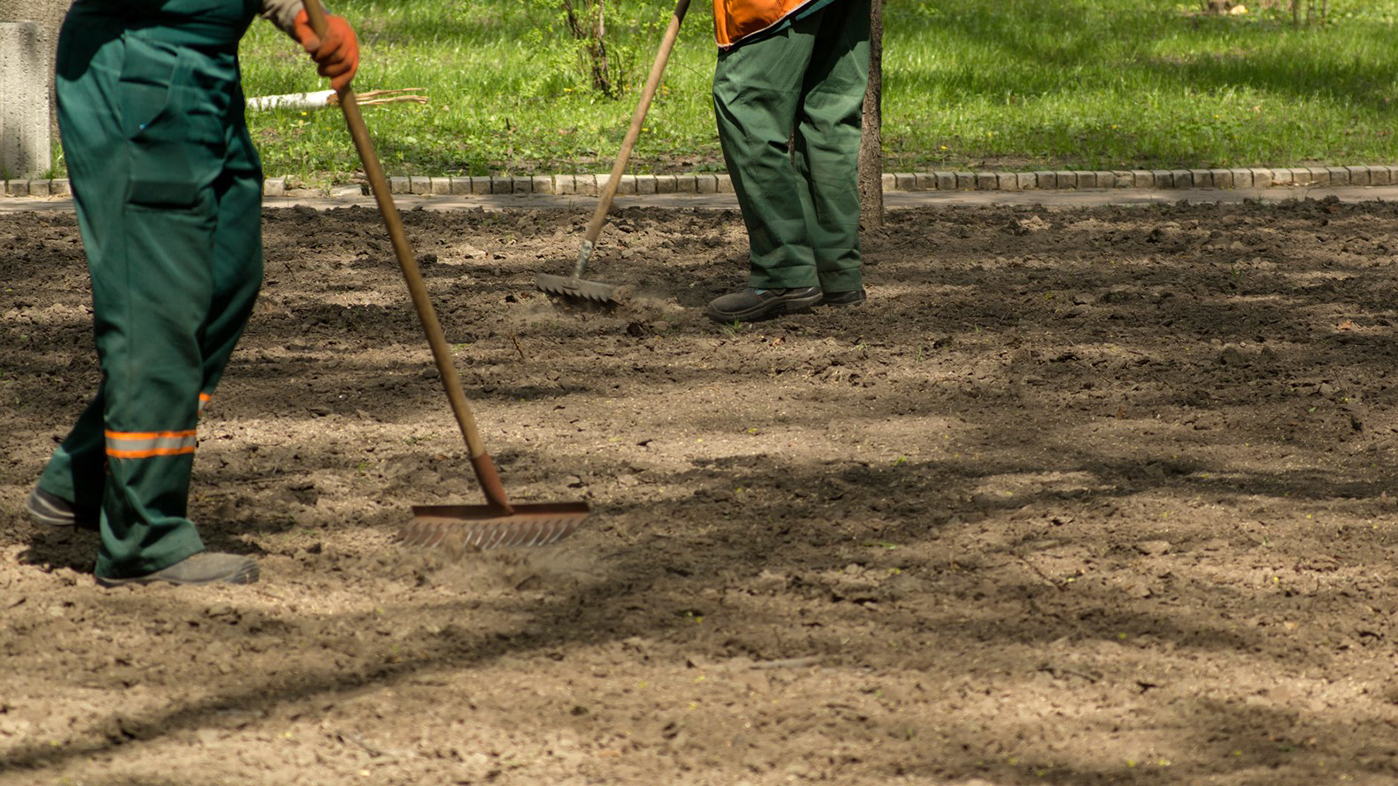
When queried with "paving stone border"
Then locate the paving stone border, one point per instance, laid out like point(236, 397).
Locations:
point(940, 180)
point(562, 185)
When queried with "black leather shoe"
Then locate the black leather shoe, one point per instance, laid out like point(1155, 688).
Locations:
point(750, 305)
point(206, 567)
point(46, 510)
point(850, 298)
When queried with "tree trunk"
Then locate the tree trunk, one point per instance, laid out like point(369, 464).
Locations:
point(871, 143)
point(597, 50)
point(589, 28)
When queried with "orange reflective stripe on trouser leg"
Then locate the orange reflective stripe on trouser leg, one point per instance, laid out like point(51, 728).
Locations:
point(146, 444)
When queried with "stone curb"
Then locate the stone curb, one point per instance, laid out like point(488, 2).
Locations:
point(939, 180)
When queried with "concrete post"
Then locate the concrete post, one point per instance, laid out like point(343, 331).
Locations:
point(49, 14)
point(25, 74)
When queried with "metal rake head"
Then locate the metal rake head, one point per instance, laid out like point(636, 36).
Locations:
point(579, 288)
point(466, 528)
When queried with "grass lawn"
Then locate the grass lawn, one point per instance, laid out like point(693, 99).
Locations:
point(1017, 84)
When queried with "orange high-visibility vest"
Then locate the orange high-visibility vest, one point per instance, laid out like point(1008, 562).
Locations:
point(735, 20)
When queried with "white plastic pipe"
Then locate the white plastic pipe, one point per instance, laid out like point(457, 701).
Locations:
point(320, 99)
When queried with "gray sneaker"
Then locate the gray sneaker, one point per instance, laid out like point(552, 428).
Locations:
point(47, 510)
point(206, 567)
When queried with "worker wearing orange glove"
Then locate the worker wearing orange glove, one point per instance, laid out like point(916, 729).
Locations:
point(169, 194)
point(337, 55)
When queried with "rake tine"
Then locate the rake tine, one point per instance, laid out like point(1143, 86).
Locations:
point(548, 534)
point(495, 535)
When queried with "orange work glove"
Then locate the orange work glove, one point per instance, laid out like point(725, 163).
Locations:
point(338, 54)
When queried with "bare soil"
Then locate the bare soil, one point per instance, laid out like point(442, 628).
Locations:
point(1088, 496)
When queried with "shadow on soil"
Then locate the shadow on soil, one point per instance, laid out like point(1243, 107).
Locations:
point(1092, 327)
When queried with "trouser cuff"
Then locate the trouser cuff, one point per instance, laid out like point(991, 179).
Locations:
point(783, 278)
point(172, 548)
point(841, 281)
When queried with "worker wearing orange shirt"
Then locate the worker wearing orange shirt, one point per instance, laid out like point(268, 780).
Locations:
point(789, 96)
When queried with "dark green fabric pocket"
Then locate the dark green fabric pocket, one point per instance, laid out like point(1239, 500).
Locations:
point(154, 76)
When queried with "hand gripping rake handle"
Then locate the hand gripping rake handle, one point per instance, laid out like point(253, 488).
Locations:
point(599, 217)
point(480, 460)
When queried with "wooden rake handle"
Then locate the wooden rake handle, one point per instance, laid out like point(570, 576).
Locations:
point(638, 118)
point(441, 353)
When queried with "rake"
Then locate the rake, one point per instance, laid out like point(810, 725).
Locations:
point(575, 286)
point(471, 527)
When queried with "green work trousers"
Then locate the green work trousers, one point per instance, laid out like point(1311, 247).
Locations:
point(803, 84)
point(168, 193)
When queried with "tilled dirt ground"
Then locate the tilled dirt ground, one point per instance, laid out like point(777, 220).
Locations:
point(1086, 496)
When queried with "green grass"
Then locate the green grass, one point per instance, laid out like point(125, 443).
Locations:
point(1122, 83)
point(1021, 84)
point(502, 100)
